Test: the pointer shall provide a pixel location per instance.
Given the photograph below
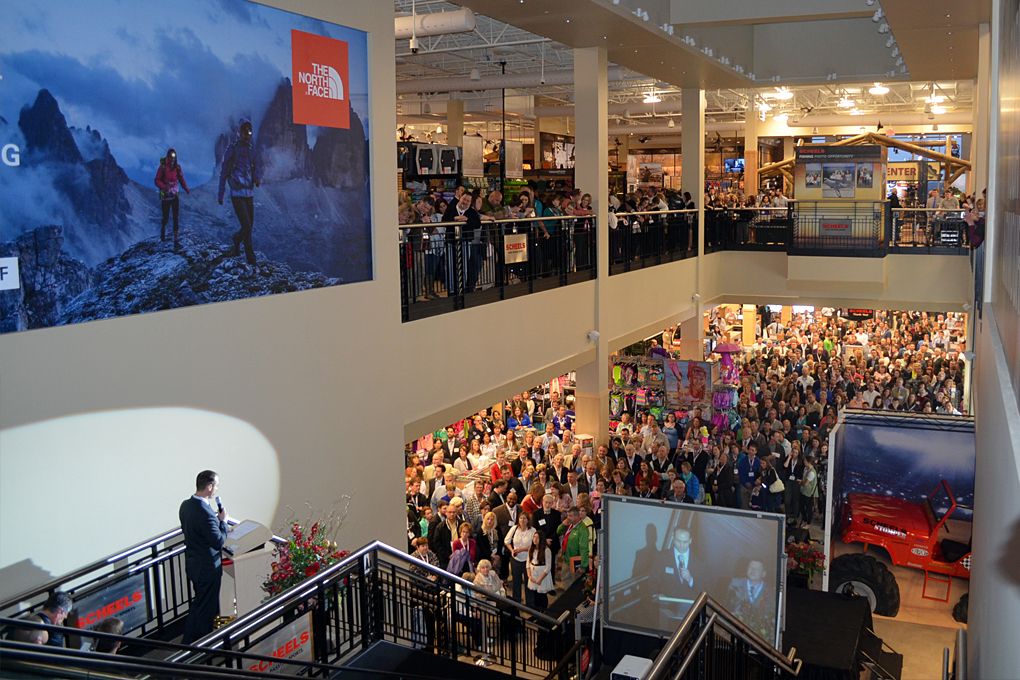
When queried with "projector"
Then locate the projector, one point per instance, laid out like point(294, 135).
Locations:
point(631, 668)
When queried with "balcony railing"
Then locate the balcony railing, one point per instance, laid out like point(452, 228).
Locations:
point(646, 239)
point(843, 229)
point(926, 231)
point(444, 266)
point(747, 229)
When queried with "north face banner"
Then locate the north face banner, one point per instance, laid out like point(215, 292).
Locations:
point(320, 80)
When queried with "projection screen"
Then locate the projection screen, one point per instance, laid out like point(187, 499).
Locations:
point(660, 556)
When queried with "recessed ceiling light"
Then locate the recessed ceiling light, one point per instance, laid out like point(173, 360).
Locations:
point(947, 16)
point(950, 33)
point(568, 21)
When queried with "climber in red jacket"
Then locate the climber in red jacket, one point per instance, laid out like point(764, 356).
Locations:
point(168, 177)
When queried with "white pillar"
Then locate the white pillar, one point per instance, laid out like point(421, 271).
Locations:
point(692, 148)
point(979, 142)
point(591, 175)
point(751, 161)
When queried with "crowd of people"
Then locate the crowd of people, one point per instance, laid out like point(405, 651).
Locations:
point(555, 245)
point(540, 498)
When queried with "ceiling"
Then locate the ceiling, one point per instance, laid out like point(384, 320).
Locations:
point(940, 39)
point(527, 51)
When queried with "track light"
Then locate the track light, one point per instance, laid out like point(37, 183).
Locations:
point(814, 130)
point(475, 75)
point(670, 124)
point(890, 42)
point(439, 129)
point(878, 15)
point(884, 28)
point(935, 128)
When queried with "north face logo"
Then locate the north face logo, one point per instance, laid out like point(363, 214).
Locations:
point(323, 81)
point(320, 80)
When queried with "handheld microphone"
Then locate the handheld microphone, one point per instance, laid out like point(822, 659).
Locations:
point(219, 505)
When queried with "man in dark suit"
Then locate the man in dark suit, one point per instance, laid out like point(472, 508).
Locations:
point(470, 235)
point(574, 485)
point(679, 576)
point(205, 530)
point(451, 447)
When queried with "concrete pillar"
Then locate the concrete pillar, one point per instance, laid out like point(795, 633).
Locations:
point(692, 345)
point(591, 175)
point(692, 146)
point(979, 143)
point(750, 313)
point(624, 151)
point(537, 145)
point(751, 163)
point(455, 122)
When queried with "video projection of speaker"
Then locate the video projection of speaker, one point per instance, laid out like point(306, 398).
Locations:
point(659, 557)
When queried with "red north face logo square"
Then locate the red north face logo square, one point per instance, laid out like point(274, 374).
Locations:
point(320, 80)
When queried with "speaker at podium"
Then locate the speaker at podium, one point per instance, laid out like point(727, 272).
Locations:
point(247, 563)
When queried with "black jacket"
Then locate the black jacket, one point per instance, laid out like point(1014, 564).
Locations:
point(204, 535)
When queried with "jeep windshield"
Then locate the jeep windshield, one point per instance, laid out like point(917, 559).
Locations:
point(939, 504)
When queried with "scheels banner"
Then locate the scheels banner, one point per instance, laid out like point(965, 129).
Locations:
point(293, 642)
point(126, 600)
point(515, 247)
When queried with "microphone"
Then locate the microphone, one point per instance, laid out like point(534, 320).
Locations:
point(219, 505)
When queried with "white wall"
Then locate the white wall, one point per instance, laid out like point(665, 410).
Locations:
point(308, 370)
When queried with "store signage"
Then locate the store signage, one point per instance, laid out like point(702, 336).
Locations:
point(901, 171)
point(515, 248)
point(320, 75)
point(814, 154)
point(9, 276)
point(126, 600)
point(859, 314)
point(293, 642)
point(834, 227)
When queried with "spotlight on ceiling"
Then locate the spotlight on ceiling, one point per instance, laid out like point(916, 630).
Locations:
point(935, 128)
point(475, 75)
point(652, 98)
point(814, 130)
point(938, 110)
point(846, 103)
point(439, 129)
point(879, 89)
point(670, 123)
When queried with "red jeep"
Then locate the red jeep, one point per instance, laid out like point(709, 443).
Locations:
point(914, 535)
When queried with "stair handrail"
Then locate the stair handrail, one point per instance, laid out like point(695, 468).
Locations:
point(40, 654)
point(297, 593)
point(721, 616)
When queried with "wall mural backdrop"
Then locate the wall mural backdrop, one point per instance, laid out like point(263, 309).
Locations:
point(158, 156)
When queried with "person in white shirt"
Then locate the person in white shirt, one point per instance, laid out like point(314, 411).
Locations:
point(519, 541)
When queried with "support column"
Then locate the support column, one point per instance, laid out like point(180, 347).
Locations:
point(591, 175)
point(692, 148)
point(692, 345)
point(537, 129)
point(624, 152)
point(751, 163)
point(786, 316)
point(750, 318)
point(455, 122)
point(979, 142)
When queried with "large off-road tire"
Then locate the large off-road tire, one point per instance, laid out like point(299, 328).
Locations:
point(960, 610)
point(869, 578)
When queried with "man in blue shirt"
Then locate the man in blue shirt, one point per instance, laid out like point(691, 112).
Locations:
point(748, 469)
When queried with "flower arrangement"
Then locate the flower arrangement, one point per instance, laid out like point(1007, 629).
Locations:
point(308, 551)
point(589, 584)
point(802, 558)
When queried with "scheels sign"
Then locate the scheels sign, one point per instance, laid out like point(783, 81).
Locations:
point(125, 600)
point(320, 81)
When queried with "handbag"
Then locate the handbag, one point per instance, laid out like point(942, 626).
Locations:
point(777, 486)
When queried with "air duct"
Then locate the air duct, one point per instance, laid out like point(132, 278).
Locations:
point(510, 81)
point(665, 129)
point(439, 23)
point(888, 119)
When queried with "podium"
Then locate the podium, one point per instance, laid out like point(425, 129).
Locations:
point(247, 563)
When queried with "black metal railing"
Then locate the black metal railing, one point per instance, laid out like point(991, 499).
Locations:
point(926, 231)
point(747, 229)
point(154, 568)
point(646, 239)
point(445, 266)
point(844, 229)
point(380, 593)
point(712, 643)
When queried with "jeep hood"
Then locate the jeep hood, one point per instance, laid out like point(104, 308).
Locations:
point(890, 510)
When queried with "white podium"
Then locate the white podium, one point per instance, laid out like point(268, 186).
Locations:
point(241, 589)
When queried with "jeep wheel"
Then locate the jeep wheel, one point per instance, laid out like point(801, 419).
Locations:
point(868, 578)
point(960, 610)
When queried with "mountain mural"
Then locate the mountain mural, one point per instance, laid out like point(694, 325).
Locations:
point(81, 227)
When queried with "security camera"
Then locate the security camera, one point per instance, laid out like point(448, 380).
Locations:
point(414, 46)
point(966, 308)
point(695, 297)
point(541, 80)
point(593, 336)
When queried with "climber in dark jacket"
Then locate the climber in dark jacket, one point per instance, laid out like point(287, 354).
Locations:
point(240, 170)
point(170, 179)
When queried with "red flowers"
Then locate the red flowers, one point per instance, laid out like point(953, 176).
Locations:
point(306, 553)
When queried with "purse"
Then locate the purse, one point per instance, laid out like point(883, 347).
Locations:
point(777, 486)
